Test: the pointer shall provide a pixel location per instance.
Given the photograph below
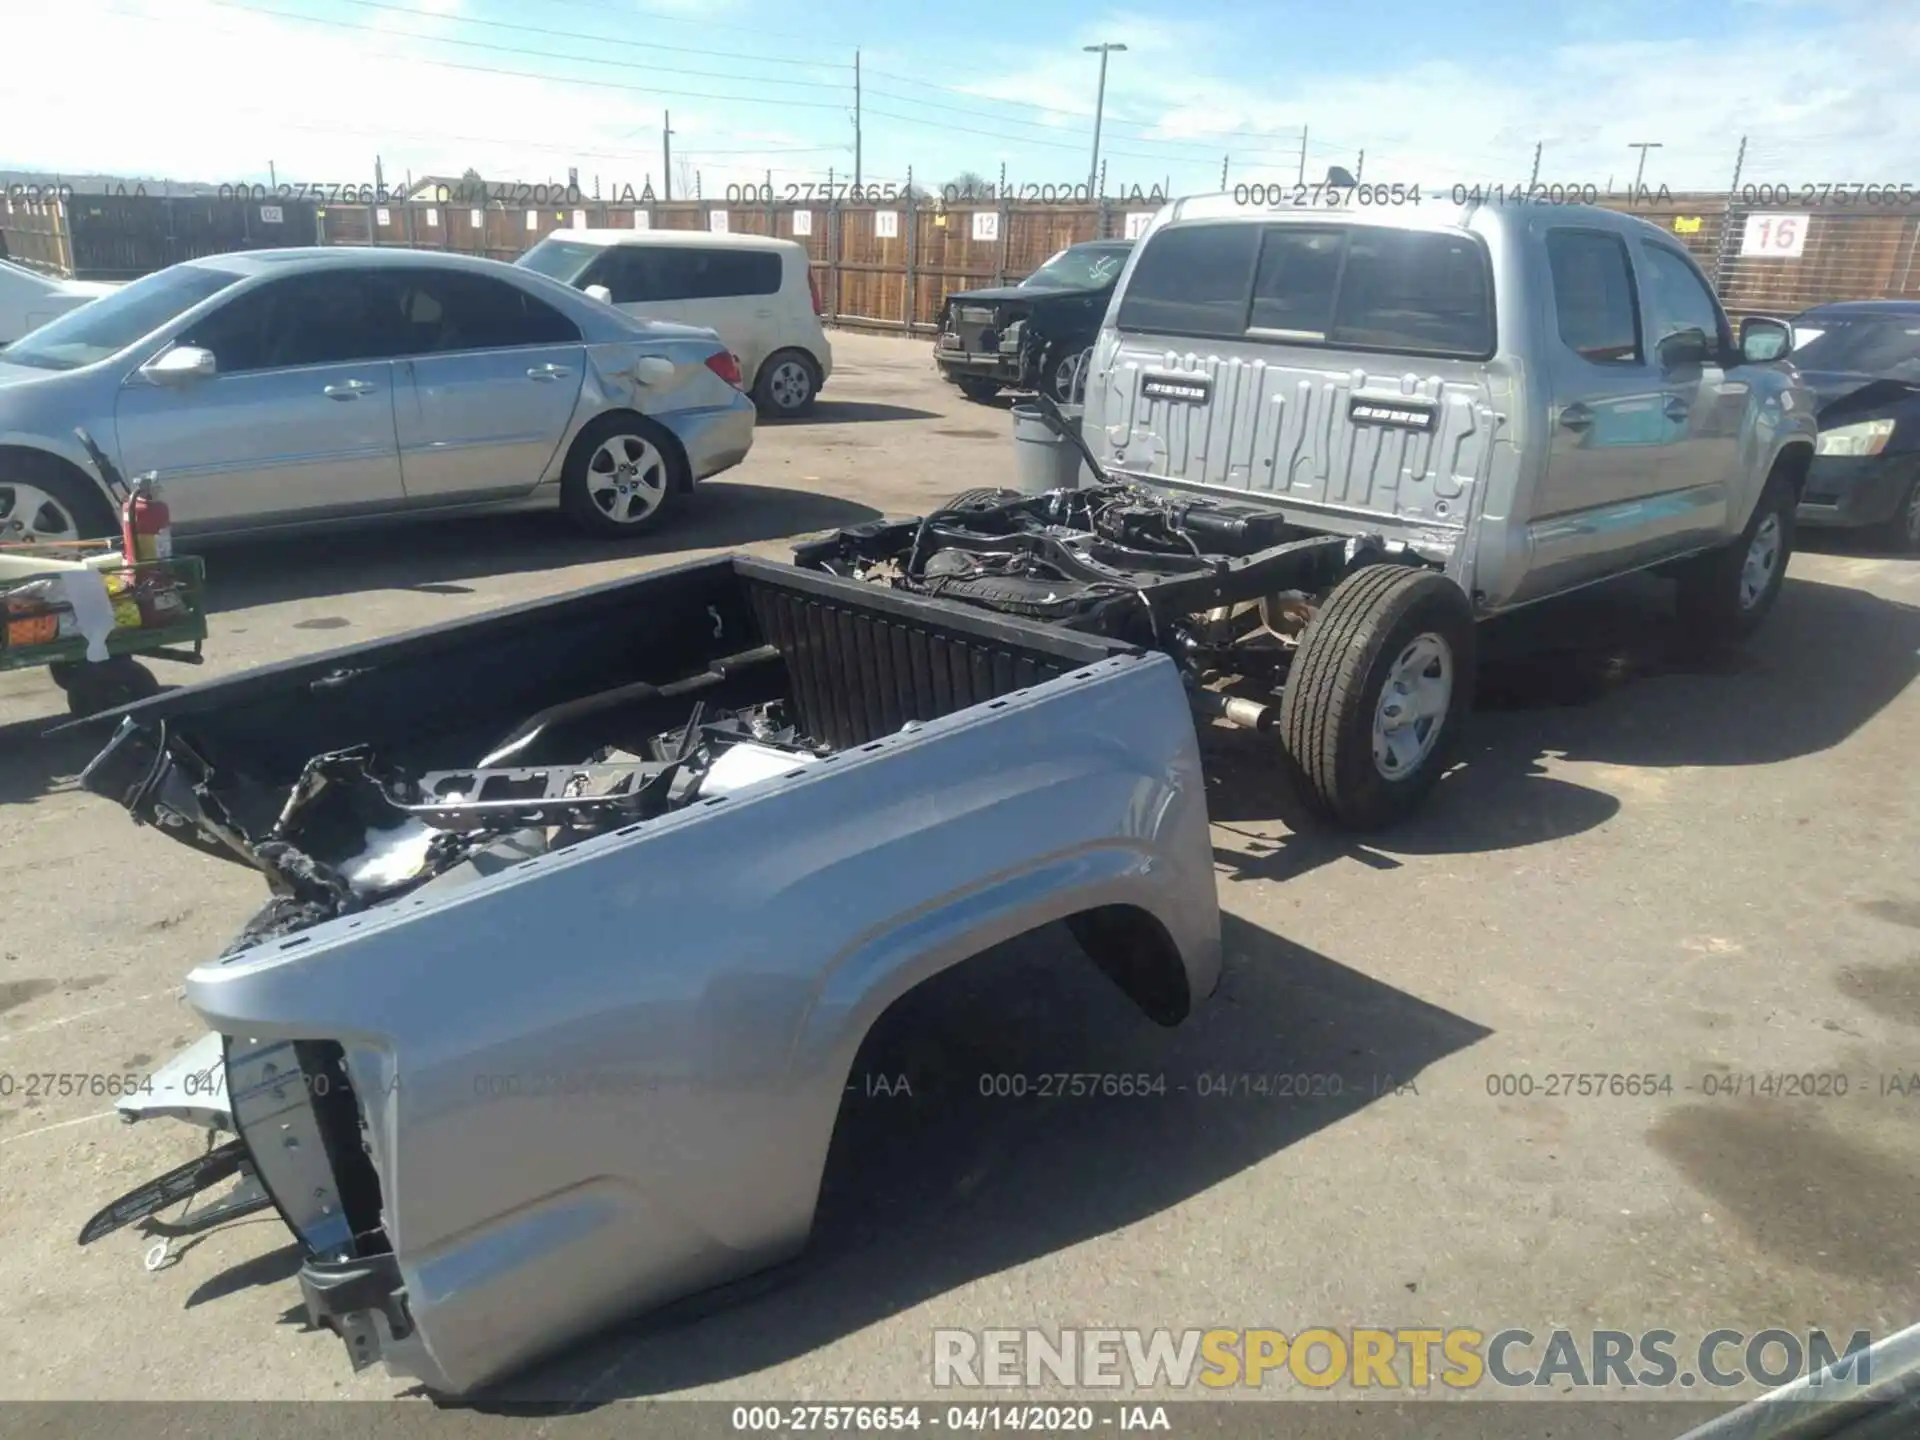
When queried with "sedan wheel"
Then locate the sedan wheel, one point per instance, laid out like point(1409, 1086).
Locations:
point(31, 516)
point(627, 479)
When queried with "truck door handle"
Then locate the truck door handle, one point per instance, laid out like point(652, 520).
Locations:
point(348, 390)
point(1577, 417)
point(1678, 407)
point(547, 372)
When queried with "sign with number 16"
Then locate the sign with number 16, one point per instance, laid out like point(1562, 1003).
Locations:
point(1778, 237)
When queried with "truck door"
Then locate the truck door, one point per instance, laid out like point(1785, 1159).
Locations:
point(1692, 346)
point(1608, 417)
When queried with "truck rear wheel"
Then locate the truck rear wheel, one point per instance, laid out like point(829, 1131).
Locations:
point(1726, 593)
point(1378, 694)
point(979, 391)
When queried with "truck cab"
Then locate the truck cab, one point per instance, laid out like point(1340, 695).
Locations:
point(1531, 397)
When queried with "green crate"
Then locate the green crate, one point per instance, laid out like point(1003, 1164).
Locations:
point(189, 571)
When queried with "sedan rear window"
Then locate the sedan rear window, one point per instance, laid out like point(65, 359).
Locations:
point(1355, 287)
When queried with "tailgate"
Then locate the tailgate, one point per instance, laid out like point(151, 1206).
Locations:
point(1347, 370)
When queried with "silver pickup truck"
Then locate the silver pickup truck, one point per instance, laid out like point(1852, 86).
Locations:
point(1503, 401)
point(580, 911)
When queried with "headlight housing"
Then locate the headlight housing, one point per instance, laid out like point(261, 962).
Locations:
point(1868, 437)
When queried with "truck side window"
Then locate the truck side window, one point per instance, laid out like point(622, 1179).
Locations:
point(1681, 297)
point(1593, 296)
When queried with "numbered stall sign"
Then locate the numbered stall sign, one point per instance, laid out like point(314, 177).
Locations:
point(986, 224)
point(642, 220)
point(475, 220)
point(533, 220)
point(433, 216)
point(717, 222)
point(383, 217)
point(579, 219)
point(270, 215)
point(1776, 237)
point(803, 222)
point(886, 224)
point(1137, 222)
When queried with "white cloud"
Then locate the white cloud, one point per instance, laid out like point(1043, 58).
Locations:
point(320, 103)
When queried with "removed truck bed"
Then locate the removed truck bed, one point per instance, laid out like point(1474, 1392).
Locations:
point(581, 910)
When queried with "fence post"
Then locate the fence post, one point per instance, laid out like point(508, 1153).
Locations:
point(770, 229)
point(910, 304)
point(1006, 237)
point(833, 245)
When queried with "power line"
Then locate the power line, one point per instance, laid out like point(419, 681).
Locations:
point(505, 49)
point(628, 12)
point(597, 38)
point(517, 74)
point(1029, 140)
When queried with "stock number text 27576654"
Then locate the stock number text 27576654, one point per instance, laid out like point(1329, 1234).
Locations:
point(1319, 193)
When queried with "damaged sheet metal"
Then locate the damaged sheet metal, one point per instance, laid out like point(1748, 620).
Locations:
point(351, 832)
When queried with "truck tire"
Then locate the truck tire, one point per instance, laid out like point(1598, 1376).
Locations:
point(1726, 593)
point(978, 391)
point(619, 451)
point(1378, 694)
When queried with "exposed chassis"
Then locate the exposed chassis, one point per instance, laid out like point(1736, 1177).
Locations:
point(1224, 590)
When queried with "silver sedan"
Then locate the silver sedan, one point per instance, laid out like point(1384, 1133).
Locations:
point(283, 389)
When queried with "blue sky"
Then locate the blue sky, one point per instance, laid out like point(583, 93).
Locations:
point(216, 89)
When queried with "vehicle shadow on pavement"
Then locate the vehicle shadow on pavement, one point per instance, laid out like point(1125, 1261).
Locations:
point(841, 412)
point(33, 763)
point(1607, 676)
point(932, 1184)
point(432, 557)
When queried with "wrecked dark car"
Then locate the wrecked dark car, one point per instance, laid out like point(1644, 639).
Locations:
point(578, 913)
point(1862, 359)
point(1036, 335)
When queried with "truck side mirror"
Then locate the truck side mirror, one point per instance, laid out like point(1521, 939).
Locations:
point(600, 293)
point(1763, 339)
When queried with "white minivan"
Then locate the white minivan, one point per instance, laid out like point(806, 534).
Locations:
point(757, 293)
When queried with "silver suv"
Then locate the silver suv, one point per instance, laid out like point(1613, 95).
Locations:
point(1508, 401)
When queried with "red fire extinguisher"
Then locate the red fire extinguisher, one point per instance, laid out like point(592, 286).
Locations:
point(146, 531)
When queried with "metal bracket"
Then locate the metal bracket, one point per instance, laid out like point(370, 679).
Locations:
point(535, 794)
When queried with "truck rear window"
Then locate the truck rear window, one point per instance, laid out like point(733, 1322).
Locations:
point(1352, 287)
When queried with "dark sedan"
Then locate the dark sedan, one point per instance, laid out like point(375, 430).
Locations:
point(1036, 335)
point(1862, 358)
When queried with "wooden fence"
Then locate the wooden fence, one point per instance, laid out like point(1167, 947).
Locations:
point(878, 267)
point(888, 267)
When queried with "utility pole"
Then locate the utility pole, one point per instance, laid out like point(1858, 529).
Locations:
point(1360, 167)
point(1642, 146)
point(856, 119)
point(1303, 154)
point(1099, 105)
point(1536, 165)
point(273, 176)
point(1223, 170)
point(666, 153)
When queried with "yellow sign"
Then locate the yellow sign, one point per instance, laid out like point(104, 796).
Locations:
point(1686, 224)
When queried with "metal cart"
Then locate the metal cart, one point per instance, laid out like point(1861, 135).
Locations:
point(55, 603)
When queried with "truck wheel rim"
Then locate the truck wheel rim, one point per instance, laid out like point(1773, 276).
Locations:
point(627, 479)
point(1413, 706)
point(29, 514)
point(790, 385)
point(1066, 375)
point(1763, 558)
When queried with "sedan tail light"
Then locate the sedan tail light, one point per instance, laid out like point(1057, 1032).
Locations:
point(722, 363)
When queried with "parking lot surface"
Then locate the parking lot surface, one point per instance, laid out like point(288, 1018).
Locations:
point(1644, 866)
